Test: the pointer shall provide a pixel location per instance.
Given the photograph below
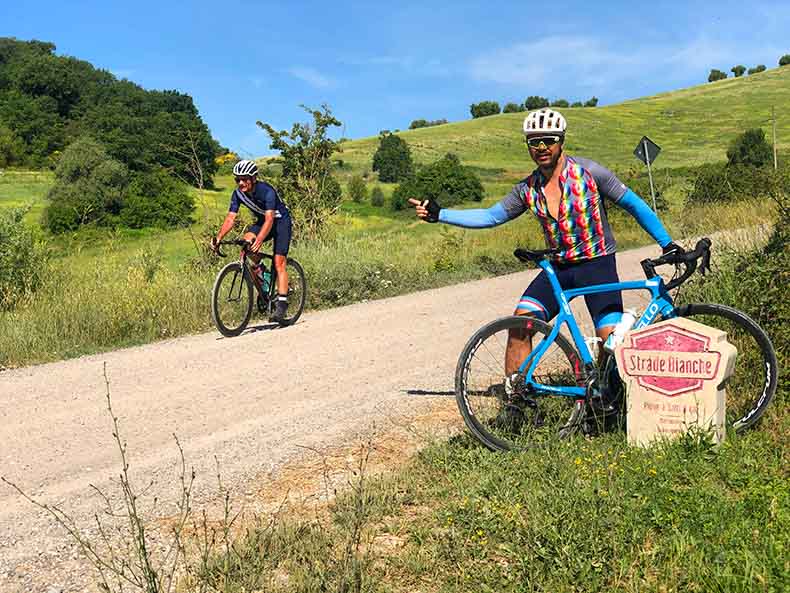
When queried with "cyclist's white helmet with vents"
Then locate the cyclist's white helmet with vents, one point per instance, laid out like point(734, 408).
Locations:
point(544, 121)
point(245, 167)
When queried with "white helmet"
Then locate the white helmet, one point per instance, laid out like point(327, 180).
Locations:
point(245, 167)
point(545, 121)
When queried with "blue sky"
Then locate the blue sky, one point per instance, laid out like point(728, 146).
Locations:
point(380, 65)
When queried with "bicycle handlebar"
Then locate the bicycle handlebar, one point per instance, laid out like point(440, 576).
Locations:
point(239, 242)
point(688, 259)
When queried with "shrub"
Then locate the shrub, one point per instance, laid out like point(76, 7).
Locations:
point(484, 108)
point(446, 181)
point(89, 187)
point(750, 148)
point(377, 197)
point(738, 70)
point(719, 182)
point(591, 102)
point(577, 104)
point(784, 60)
point(21, 258)
point(513, 108)
point(560, 103)
point(425, 123)
point(756, 69)
point(12, 149)
point(535, 102)
point(716, 75)
point(357, 189)
point(392, 158)
point(157, 200)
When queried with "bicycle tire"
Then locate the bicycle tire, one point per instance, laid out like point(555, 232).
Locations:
point(230, 325)
point(753, 384)
point(297, 291)
point(565, 414)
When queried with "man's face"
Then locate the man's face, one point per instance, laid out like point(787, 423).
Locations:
point(245, 183)
point(545, 149)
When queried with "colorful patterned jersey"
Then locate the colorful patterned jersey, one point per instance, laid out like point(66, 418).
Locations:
point(581, 228)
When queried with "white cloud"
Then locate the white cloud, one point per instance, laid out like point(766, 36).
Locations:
point(312, 77)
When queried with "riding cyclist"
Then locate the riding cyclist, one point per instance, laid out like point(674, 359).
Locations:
point(567, 195)
point(273, 221)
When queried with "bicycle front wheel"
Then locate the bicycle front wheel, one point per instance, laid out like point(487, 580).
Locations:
point(505, 414)
point(232, 300)
point(297, 291)
point(753, 383)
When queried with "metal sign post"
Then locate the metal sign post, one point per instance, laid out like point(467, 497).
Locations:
point(647, 152)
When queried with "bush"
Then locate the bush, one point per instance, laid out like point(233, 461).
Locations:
point(392, 159)
point(425, 123)
point(157, 200)
point(357, 189)
point(756, 69)
point(12, 149)
point(577, 104)
point(560, 103)
point(88, 188)
point(446, 181)
point(21, 258)
point(535, 102)
point(484, 108)
point(738, 70)
point(591, 102)
point(716, 75)
point(784, 60)
point(377, 197)
point(513, 108)
point(721, 183)
point(750, 148)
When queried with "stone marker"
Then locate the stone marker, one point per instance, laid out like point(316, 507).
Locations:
point(672, 371)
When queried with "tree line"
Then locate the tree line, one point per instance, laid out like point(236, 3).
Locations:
point(739, 69)
point(485, 108)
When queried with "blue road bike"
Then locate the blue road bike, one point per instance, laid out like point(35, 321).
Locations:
point(562, 388)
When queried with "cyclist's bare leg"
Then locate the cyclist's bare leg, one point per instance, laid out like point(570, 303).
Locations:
point(282, 274)
point(519, 346)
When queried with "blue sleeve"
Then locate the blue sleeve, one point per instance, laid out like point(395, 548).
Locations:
point(647, 219)
point(234, 202)
point(479, 218)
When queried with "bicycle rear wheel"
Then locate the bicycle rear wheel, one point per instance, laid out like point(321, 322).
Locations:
point(753, 383)
point(507, 416)
point(232, 300)
point(297, 291)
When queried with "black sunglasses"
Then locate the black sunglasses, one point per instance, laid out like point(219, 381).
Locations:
point(545, 140)
point(245, 177)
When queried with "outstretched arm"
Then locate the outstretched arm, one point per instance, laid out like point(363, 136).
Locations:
point(647, 219)
point(477, 218)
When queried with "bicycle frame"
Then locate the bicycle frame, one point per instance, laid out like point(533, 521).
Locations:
point(661, 302)
point(244, 254)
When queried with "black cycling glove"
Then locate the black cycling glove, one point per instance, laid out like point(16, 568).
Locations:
point(433, 208)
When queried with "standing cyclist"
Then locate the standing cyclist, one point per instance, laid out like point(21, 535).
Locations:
point(273, 221)
point(567, 195)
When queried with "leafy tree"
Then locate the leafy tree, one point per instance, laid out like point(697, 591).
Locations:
point(784, 60)
point(535, 102)
point(357, 189)
point(513, 108)
point(750, 148)
point(738, 70)
point(156, 199)
point(484, 108)
point(392, 159)
point(756, 69)
point(716, 75)
point(12, 150)
point(577, 104)
point(445, 180)
point(307, 184)
point(591, 102)
point(377, 197)
point(425, 123)
point(560, 103)
point(89, 187)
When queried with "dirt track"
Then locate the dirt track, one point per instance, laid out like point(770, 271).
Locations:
point(255, 402)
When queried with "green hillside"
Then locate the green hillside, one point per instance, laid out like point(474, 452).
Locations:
point(692, 126)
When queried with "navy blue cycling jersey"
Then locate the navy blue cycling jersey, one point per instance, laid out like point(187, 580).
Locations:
point(263, 197)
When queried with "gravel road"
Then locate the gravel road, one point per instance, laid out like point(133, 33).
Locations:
point(253, 402)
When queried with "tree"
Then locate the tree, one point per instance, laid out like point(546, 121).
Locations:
point(156, 199)
point(716, 75)
point(12, 150)
point(377, 197)
point(392, 159)
point(484, 108)
point(591, 102)
point(446, 181)
point(418, 123)
point(750, 148)
point(307, 184)
point(577, 104)
point(357, 189)
point(756, 69)
point(535, 102)
point(784, 60)
point(560, 103)
point(513, 108)
point(738, 70)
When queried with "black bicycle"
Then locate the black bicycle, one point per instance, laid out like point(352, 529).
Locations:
point(238, 289)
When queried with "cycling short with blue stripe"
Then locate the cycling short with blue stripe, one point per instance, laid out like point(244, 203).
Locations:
point(605, 308)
